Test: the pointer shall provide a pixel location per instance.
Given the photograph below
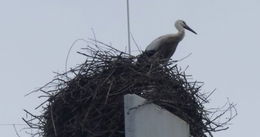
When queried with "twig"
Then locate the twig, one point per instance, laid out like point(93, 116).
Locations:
point(16, 132)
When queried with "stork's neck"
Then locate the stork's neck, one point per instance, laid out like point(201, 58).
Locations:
point(180, 34)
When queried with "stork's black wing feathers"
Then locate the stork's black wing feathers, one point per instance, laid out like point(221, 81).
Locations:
point(149, 53)
point(145, 56)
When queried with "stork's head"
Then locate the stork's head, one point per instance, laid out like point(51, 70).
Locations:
point(181, 25)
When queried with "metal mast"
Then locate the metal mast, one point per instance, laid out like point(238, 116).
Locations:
point(128, 27)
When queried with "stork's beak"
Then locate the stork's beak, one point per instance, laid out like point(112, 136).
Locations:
point(188, 28)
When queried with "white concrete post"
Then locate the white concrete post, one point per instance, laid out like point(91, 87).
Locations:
point(150, 120)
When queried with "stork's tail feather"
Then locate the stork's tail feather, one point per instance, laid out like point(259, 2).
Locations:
point(145, 57)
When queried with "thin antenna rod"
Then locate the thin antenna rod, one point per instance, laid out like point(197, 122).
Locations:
point(128, 27)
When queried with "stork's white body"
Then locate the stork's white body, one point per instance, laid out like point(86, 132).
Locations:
point(164, 46)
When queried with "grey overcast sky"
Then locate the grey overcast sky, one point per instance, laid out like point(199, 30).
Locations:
point(35, 36)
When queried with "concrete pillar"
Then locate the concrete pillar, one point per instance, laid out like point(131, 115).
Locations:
point(150, 120)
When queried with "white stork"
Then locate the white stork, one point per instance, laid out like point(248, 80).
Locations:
point(164, 47)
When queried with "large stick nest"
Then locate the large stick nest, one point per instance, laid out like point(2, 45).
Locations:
point(87, 101)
